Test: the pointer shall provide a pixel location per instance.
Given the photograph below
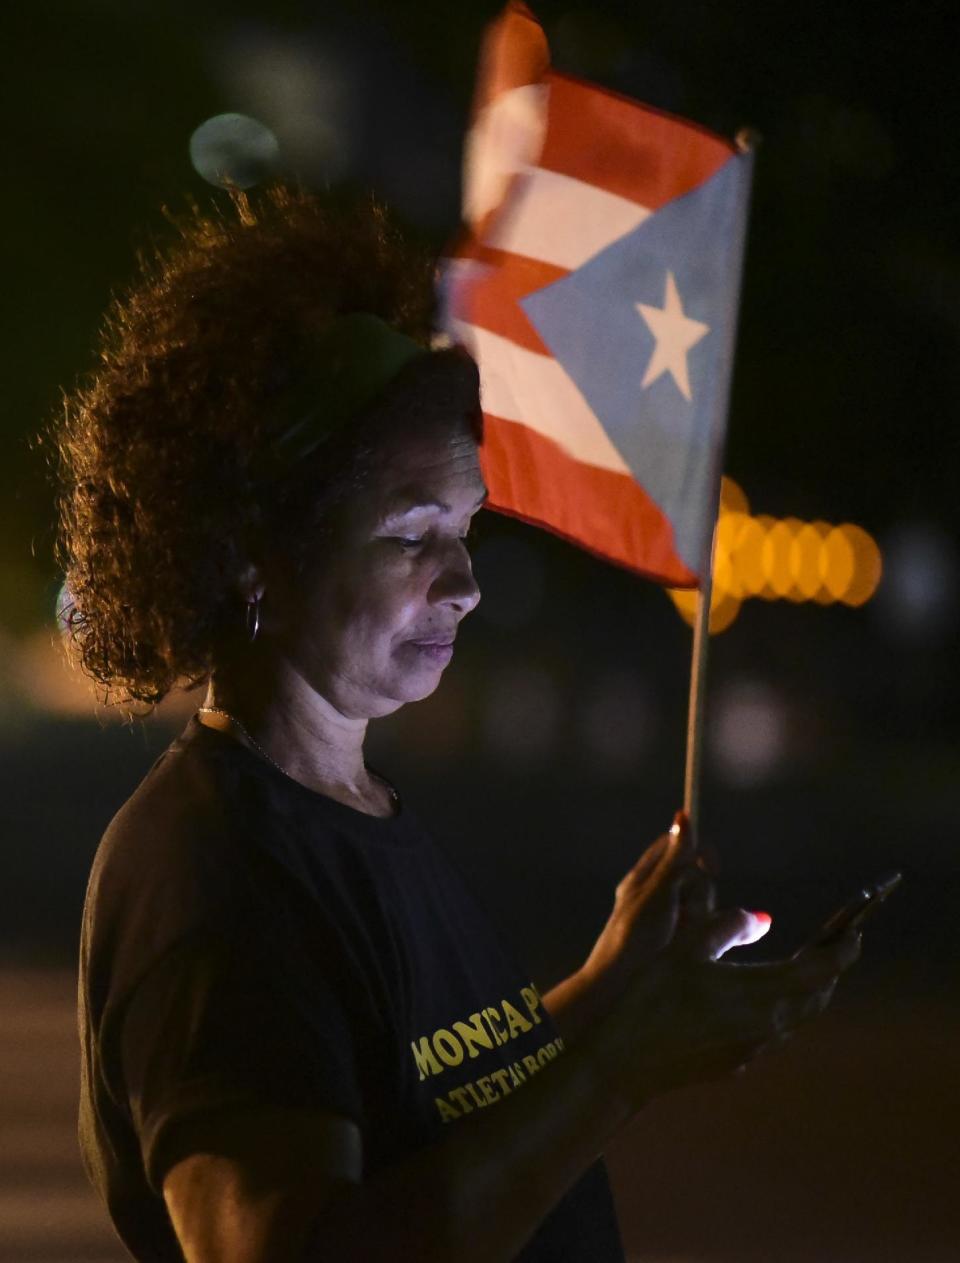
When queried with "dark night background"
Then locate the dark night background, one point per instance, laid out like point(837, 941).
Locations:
point(552, 753)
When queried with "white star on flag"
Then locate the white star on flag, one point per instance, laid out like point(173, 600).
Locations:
point(675, 334)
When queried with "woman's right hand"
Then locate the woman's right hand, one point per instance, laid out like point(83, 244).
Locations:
point(690, 1017)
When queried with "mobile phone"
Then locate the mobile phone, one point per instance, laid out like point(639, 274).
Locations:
point(852, 915)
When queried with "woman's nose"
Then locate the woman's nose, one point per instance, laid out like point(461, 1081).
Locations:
point(454, 584)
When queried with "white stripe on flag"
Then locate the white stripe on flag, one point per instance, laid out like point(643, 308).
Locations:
point(521, 385)
point(561, 220)
point(506, 137)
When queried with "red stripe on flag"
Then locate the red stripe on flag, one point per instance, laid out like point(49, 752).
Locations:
point(629, 149)
point(491, 301)
point(513, 53)
point(530, 477)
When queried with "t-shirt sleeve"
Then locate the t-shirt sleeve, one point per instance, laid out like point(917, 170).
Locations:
point(234, 1019)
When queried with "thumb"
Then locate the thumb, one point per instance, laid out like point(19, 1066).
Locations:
point(734, 927)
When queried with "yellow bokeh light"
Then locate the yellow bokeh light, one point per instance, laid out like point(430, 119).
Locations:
point(724, 578)
point(777, 558)
point(867, 566)
point(723, 612)
point(729, 528)
point(685, 599)
point(775, 553)
point(726, 570)
point(748, 560)
point(805, 559)
point(766, 525)
point(724, 608)
point(837, 563)
point(821, 594)
point(732, 497)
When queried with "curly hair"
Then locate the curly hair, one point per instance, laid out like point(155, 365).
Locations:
point(156, 450)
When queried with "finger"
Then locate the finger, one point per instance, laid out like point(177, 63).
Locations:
point(665, 859)
point(734, 927)
point(699, 895)
point(675, 847)
point(660, 879)
point(810, 969)
point(662, 903)
point(792, 1012)
point(679, 853)
point(817, 963)
point(647, 862)
point(682, 836)
point(756, 926)
point(708, 859)
point(846, 949)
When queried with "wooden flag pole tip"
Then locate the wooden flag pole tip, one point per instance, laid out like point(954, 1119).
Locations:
point(747, 139)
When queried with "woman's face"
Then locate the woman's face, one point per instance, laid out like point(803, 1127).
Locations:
point(375, 626)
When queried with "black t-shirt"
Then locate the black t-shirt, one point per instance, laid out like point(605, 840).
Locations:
point(247, 941)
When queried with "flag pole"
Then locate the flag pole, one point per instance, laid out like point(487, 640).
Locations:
point(747, 141)
point(696, 705)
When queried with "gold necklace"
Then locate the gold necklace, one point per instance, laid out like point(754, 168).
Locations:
point(215, 710)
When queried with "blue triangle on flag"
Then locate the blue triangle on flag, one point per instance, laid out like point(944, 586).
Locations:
point(591, 322)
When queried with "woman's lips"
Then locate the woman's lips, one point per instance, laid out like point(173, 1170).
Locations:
point(438, 652)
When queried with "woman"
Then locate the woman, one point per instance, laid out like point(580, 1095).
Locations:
point(295, 1021)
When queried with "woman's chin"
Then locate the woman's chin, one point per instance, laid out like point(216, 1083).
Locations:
point(418, 685)
point(403, 692)
point(423, 688)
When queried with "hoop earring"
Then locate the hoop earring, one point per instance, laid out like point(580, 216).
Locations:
point(253, 625)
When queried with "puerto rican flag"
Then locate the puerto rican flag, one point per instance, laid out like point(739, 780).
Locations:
point(596, 284)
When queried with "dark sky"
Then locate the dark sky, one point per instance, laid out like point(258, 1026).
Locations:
point(847, 370)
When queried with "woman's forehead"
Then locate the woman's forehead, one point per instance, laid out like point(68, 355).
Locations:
point(429, 471)
point(414, 500)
